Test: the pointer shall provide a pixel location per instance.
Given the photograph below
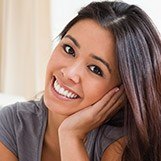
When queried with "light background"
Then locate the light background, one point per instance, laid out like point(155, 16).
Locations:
point(62, 11)
point(27, 29)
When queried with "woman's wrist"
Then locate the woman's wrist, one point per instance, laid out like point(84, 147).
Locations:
point(68, 140)
point(69, 135)
point(72, 134)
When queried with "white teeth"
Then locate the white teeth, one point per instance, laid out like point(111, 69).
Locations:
point(63, 92)
point(69, 94)
point(72, 95)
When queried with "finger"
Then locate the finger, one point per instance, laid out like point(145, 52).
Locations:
point(103, 101)
point(94, 110)
point(114, 103)
point(115, 107)
point(115, 98)
point(105, 115)
point(108, 104)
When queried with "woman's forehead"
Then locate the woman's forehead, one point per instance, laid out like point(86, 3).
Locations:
point(89, 33)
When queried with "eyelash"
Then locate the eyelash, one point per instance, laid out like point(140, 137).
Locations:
point(69, 48)
point(96, 69)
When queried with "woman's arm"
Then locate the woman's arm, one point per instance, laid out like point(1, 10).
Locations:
point(6, 155)
point(72, 148)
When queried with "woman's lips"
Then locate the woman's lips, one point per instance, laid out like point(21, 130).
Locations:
point(62, 92)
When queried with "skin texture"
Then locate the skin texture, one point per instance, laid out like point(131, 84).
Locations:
point(75, 68)
point(6, 155)
point(73, 72)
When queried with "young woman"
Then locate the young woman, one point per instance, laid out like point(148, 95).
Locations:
point(107, 50)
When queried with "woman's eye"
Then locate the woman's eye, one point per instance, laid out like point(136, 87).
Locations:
point(69, 50)
point(95, 69)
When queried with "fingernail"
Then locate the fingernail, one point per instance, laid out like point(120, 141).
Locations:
point(117, 89)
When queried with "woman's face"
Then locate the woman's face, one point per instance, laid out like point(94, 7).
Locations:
point(82, 68)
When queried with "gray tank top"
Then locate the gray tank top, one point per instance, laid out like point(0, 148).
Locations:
point(22, 129)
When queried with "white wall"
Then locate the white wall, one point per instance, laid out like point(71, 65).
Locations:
point(64, 10)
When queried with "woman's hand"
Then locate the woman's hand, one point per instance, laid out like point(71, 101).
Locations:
point(80, 123)
point(74, 128)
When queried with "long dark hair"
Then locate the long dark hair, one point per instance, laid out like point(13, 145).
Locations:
point(138, 48)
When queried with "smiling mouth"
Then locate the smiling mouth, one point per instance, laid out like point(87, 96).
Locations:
point(62, 91)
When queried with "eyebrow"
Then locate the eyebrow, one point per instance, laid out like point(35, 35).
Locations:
point(73, 39)
point(92, 55)
point(102, 61)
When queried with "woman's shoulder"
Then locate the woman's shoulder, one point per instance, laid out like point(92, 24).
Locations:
point(21, 125)
point(23, 115)
point(112, 130)
point(99, 139)
point(32, 107)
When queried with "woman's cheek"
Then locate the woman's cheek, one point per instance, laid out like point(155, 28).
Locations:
point(95, 91)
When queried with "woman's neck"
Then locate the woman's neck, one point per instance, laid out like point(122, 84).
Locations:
point(51, 147)
point(54, 121)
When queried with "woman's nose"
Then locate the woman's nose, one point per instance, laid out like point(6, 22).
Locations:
point(71, 73)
